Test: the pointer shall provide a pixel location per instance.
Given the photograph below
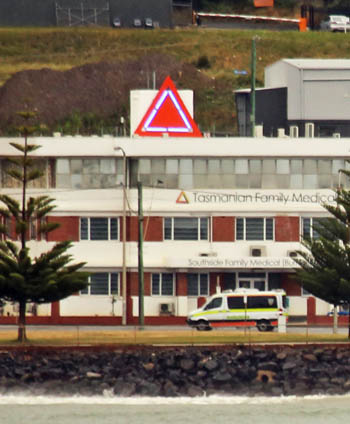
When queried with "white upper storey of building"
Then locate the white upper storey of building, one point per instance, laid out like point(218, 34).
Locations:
point(94, 146)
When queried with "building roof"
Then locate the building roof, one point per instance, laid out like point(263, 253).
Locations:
point(248, 90)
point(318, 63)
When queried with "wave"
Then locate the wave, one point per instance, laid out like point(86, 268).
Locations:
point(110, 399)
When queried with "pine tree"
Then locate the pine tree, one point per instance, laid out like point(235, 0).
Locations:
point(23, 279)
point(325, 263)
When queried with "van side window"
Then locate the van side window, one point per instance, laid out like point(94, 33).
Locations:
point(262, 302)
point(215, 303)
point(235, 302)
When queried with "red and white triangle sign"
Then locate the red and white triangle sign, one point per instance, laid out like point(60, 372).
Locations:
point(167, 115)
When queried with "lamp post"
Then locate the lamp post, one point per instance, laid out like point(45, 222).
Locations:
point(124, 237)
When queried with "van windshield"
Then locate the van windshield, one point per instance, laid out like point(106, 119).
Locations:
point(215, 303)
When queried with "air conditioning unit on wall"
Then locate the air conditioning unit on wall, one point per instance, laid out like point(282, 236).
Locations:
point(166, 308)
point(257, 251)
point(292, 253)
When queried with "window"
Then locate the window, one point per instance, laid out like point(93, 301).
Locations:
point(7, 228)
point(33, 229)
point(197, 284)
point(254, 228)
point(255, 302)
point(98, 228)
point(230, 172)
point(213, 304)
point(304, 292)
point(103, 283)
point(88, 173)
point(274, 280)
point(185, 228)
point(235, 302)
point(163, 284)
point(310, 227)
point(42, 165)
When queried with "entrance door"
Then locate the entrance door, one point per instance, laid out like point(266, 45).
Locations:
point(229, 281)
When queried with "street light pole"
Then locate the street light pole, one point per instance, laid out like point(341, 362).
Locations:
point(124, 237)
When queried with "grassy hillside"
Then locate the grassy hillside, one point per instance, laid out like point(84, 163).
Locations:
point(216, 53)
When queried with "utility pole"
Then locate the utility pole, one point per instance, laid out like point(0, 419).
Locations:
point(252, 90)
point(140, 254)
point(124, 283)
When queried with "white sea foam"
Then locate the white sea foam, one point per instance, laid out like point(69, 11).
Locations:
point(23, 399)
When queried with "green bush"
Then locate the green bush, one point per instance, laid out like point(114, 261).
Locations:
point(203, 62)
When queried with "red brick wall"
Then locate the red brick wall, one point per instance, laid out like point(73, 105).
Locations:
point(153, 228)
point(212, 282)
point(55, 310)
point(147, 284)
point(223, 228)
point(133, 284)
point(12, 227)
point(132, 230)
point(200, 302)
point(287, 228)
point(181, 284)
point(68, 230)
point(289, 284)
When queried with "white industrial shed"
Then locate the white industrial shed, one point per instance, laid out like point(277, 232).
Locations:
point(309, 91)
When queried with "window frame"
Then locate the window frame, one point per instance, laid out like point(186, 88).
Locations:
point(265, 228)
point(313, 235)
point(109, 228)
point(199, 282)
point(87, 291)
point(170, 226)
point(33, 229)
point(261, 302)
point(236, 303)
point(160, 282)
point(7, 223)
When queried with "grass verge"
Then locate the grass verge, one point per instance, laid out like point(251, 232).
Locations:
point(77, 337)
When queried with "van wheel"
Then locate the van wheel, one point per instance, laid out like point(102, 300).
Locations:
point(264, 325)
point(203, 326)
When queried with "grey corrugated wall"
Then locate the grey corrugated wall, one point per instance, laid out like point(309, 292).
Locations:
point(43, 12)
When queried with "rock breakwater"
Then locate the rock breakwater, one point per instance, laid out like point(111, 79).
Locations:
point(249, 371)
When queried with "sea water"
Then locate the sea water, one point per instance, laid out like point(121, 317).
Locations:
point(21, 409)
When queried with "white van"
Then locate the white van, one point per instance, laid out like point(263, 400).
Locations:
point(242, 307)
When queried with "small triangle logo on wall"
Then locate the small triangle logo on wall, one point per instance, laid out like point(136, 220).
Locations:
point(182, 198)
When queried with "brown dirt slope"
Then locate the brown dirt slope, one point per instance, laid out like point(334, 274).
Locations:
point(101, 89)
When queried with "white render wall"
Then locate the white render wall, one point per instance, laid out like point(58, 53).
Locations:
point(141, 100)
point(259, 147)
